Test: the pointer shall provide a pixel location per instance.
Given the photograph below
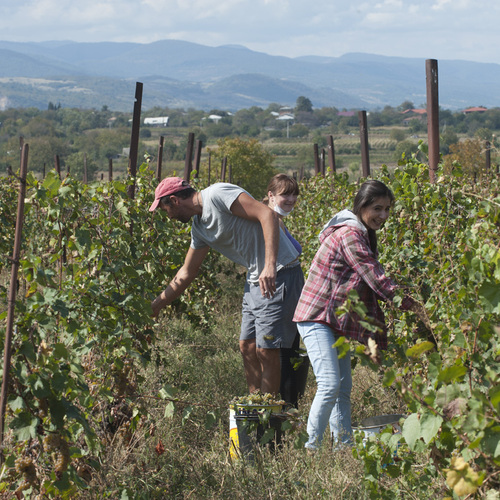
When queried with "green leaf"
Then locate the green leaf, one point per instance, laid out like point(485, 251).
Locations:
point(411, 430)
point(452, 373)
point(186, 414)
point(495, 396)
point(210, 420)
point(490, 295)
point(168, 392)
point(389, 377)
point(418, 349)
point(429, 425)
point(169, 410)
point(491, 441)
point(17, 404)
point(24, 426)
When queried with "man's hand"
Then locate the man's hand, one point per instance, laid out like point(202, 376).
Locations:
point(157, 305)
point(267, 281)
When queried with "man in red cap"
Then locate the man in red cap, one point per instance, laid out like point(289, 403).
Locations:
point(228, 219)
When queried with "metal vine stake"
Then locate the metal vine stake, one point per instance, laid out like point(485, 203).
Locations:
point(12, 292)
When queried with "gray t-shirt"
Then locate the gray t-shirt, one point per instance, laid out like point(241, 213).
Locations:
point(240, 240)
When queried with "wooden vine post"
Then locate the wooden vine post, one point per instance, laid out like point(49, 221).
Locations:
point(134, 139)
point(431, 70)
point(188, 164)
point(13, 291)
point(363, 134)
point(159, 159)
point(331, 154)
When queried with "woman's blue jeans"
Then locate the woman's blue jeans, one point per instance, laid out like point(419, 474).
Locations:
point(332, 402)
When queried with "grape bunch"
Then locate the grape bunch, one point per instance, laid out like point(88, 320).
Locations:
point(124, 378)
point(26, 467)
point(258, 398)
point(58, 447)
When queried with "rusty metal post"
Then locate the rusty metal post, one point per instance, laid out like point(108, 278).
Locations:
point(57, 165)
point(323, 161)
point(317, 168)
point(134, 138)
point(188, 165)
point(488, 156)
point(159, 160)
point(110, 169)
point(431, 71)
point(85, 176)
point(223, 169)
point(363, 135)
point(12, 292)
point(197, 158)
point(331, 154)
point(209, 166)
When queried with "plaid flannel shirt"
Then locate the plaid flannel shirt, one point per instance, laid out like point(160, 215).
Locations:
point(346, 262)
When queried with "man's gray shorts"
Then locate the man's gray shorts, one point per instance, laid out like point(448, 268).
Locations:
point(269, 320)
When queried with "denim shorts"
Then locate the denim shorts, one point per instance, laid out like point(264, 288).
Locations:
point(269, 320)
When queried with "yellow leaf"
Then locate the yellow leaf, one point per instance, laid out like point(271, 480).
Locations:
point(462, 478)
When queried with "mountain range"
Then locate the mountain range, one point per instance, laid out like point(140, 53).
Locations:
point(180, 74)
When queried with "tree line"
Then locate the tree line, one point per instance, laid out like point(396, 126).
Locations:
point(104, 134)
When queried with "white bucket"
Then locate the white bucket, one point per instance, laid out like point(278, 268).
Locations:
point(234, 444)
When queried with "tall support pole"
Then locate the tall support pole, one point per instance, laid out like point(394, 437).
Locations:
point(431, 71)
point(223, 169)
point(110, 169)
point(197, 158)
point(188, 164)
point(85, 172)
point(134, 138)
point(12, 292)
point(331, 154)
point(159, 159)
point(317, 167)
point(363, 134)
point(57, 165)
point(488, 156)
point(209, 167)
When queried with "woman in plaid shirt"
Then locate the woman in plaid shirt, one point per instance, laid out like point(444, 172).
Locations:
point(345, 261)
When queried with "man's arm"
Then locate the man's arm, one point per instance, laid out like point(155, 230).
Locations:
point(249, 208)
point(185, 275)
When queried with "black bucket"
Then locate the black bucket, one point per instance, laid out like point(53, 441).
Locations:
point(252, 433)
point(293, 381)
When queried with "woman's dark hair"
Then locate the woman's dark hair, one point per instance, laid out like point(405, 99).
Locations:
point(368, 192)
point(183, 195)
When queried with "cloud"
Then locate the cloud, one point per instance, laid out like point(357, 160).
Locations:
point(452, 29)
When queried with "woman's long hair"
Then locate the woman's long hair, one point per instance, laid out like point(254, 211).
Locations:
point(368, 192)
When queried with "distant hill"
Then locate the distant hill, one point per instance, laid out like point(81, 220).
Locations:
point(183, 74)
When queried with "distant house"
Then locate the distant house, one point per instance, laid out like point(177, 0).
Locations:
point(413, 114)
point(477, 109)
point(286, 110)
point(157, 121)
point(215, 118)
point(286, 116)
point(347, 114)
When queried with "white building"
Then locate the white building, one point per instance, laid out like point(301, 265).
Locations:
point(157, 121)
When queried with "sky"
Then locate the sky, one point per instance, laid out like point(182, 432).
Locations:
point(429, 29)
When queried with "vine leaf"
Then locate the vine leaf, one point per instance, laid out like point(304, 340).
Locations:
point(418, 349)
point(430, 425)
point(461, 478)
point(411, 429)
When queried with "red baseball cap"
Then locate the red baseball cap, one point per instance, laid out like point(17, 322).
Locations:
point(167, 186)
